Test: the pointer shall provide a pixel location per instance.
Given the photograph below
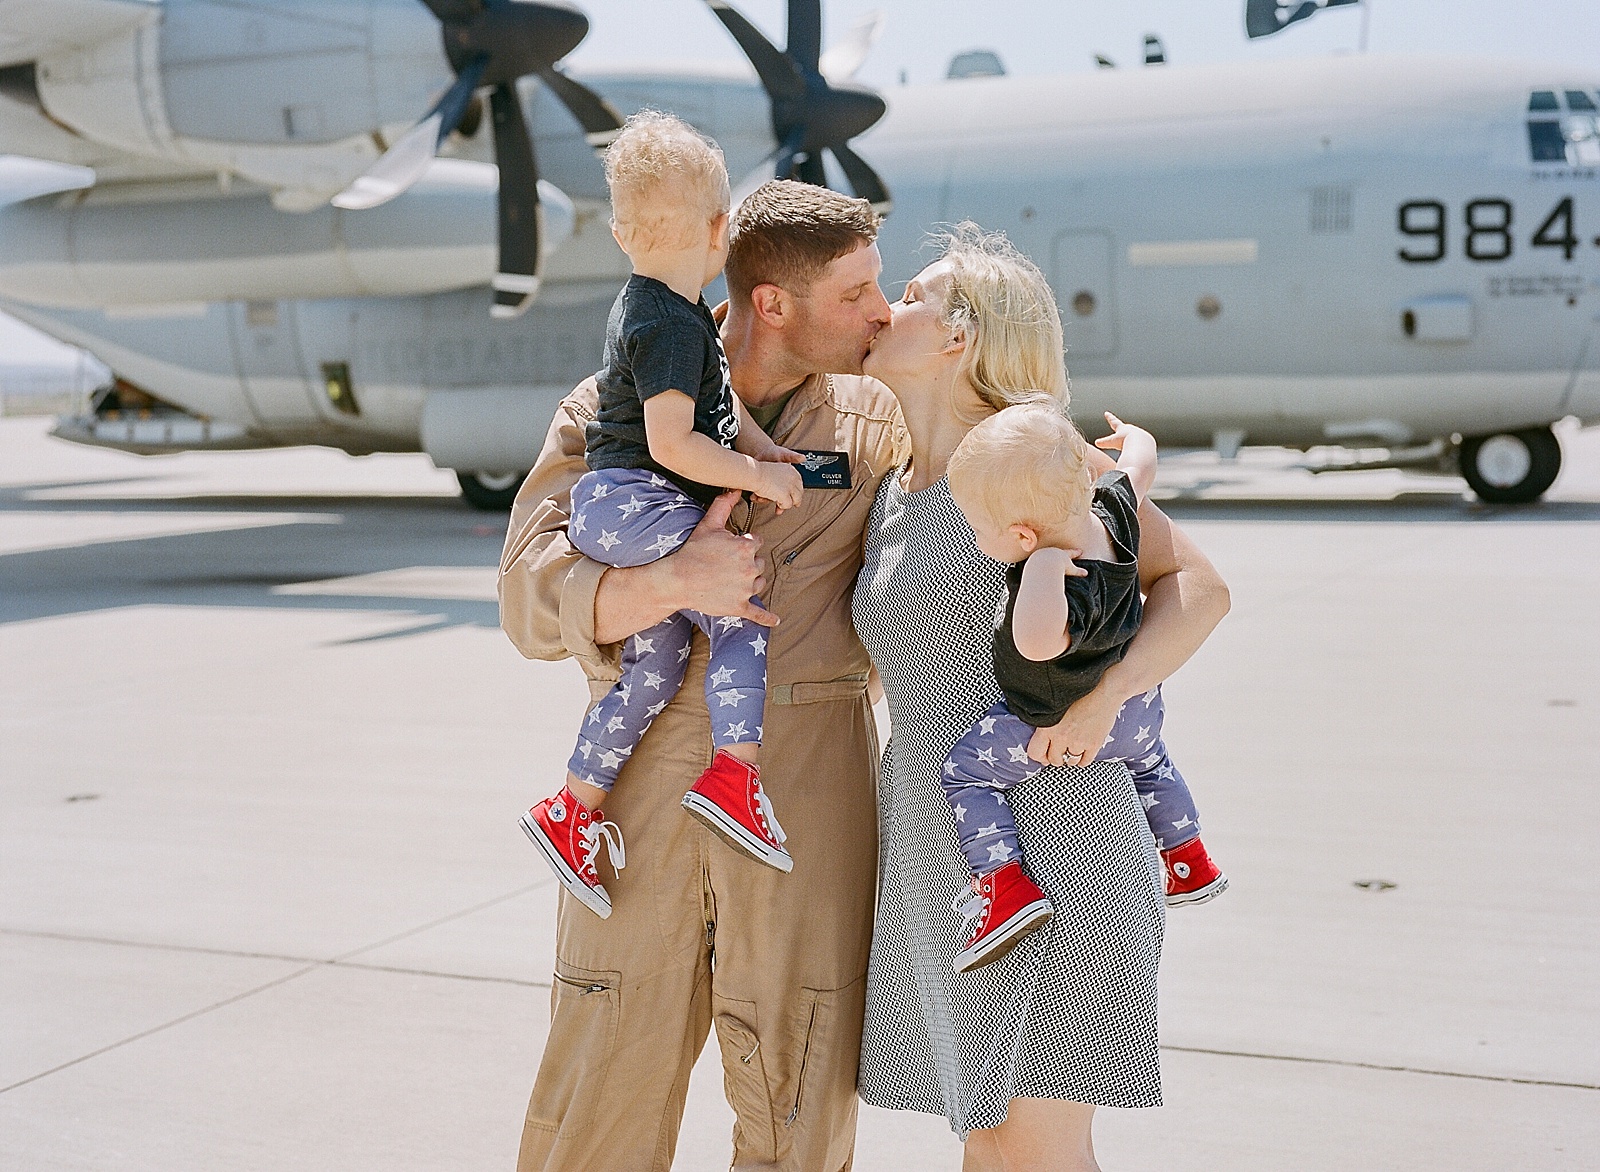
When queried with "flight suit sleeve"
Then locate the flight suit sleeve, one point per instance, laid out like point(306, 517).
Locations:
point(546, 587)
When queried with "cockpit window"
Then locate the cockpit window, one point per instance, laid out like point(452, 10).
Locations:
point(1547, 142)
point(1543, 100)
point(1578, 100)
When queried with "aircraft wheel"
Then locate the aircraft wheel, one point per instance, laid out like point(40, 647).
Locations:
point(1511, 467)
point(490, 491)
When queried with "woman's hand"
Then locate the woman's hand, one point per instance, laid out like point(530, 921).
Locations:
point(1081, 734)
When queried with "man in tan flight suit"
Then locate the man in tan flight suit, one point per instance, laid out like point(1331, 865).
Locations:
point(701, 936)
point(635, 995)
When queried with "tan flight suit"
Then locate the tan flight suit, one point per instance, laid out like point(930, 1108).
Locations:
point(700, 935)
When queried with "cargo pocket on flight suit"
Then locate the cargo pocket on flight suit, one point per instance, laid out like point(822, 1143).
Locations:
point(577, 1053)
point(744, 1075)
point(819, 1024)
point(768, 1117)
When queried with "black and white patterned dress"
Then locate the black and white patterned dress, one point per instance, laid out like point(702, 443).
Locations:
point(1070, 1013)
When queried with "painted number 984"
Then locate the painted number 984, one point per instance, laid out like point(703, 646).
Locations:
point(1486, 224)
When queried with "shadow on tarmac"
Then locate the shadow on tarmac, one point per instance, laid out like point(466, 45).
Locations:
point(1436, 508)
point(241, 567)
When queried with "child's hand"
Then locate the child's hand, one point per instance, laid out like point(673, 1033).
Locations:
point(1059, 560)
point(779, 483)
point(1120, 431)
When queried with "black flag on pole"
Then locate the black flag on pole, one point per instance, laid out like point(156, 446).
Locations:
point(1262, 18)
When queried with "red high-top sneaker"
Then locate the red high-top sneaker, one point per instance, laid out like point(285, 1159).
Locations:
point(1191, 875)
point(570, 834)
point(729, 799)
point(1006, 905)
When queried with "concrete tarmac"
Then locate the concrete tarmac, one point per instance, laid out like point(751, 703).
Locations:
point(264, 903)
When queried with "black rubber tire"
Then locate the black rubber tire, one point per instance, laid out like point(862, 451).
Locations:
point(492, 494)
point(1544, 463)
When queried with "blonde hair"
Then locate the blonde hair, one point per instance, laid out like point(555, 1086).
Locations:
point(1003, 304)
point(667, 181)
point(1024, 465)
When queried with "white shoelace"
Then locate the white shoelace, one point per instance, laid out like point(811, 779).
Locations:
point(970, 904)
point(766, 812)
point(615, 848)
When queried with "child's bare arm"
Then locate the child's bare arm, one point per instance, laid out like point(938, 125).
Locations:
point(1136, 457)
point(676, 445)
point(1039, 618)
point(754, 442)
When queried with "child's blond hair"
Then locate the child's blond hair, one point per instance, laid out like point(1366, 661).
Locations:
point(667, 180)
point(1026, 465)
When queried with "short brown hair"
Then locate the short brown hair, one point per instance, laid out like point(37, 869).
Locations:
point(787, 232)
point(667, 181)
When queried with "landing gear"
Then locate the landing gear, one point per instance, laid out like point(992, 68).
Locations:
point(489, 491)
point(1511, 467)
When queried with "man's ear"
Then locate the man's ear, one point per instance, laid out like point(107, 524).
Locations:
point(773, 305)
point(1027, 537)
point(617, 236)
point(719, 230)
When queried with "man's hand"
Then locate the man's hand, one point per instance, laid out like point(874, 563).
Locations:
point(719, 570)
point(1081, 734)
point(714, 572)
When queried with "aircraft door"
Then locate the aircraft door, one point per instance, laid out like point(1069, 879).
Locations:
point(1081, 273)
point(267, 349)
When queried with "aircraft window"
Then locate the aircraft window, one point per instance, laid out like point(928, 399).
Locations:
point(1578, 100)
point(1547, 142)
point(1543, 100)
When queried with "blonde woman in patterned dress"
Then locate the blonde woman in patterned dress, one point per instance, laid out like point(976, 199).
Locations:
point(1018, 1054)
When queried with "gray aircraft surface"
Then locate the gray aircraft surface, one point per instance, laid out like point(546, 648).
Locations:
point(289, 221)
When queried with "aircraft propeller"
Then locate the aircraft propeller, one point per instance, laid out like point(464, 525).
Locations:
point(810, 112)
point(493, 43)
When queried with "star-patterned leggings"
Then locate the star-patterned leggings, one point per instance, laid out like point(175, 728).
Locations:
point(993, 757)
point(630, 517)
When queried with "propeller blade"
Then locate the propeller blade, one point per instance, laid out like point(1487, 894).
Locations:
point(517, 280)
point(783, 167)
point(598, 117)
point(783, 82)
point(811, 170)
point(864, 180)
point(408, 159)
point(396, 169)
point(754, 178)
point(845, 58)
point(805, 33)
point(455, 10)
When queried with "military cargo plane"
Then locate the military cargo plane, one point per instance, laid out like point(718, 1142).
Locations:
point(287, 222)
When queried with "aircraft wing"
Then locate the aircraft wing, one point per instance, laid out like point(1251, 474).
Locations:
point(29, 29)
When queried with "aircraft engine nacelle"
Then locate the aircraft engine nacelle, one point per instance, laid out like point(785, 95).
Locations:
point(94, 249)
point(288, 94)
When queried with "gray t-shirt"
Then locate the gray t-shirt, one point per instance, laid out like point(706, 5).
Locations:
point(658, 341)
point(1103, 614)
